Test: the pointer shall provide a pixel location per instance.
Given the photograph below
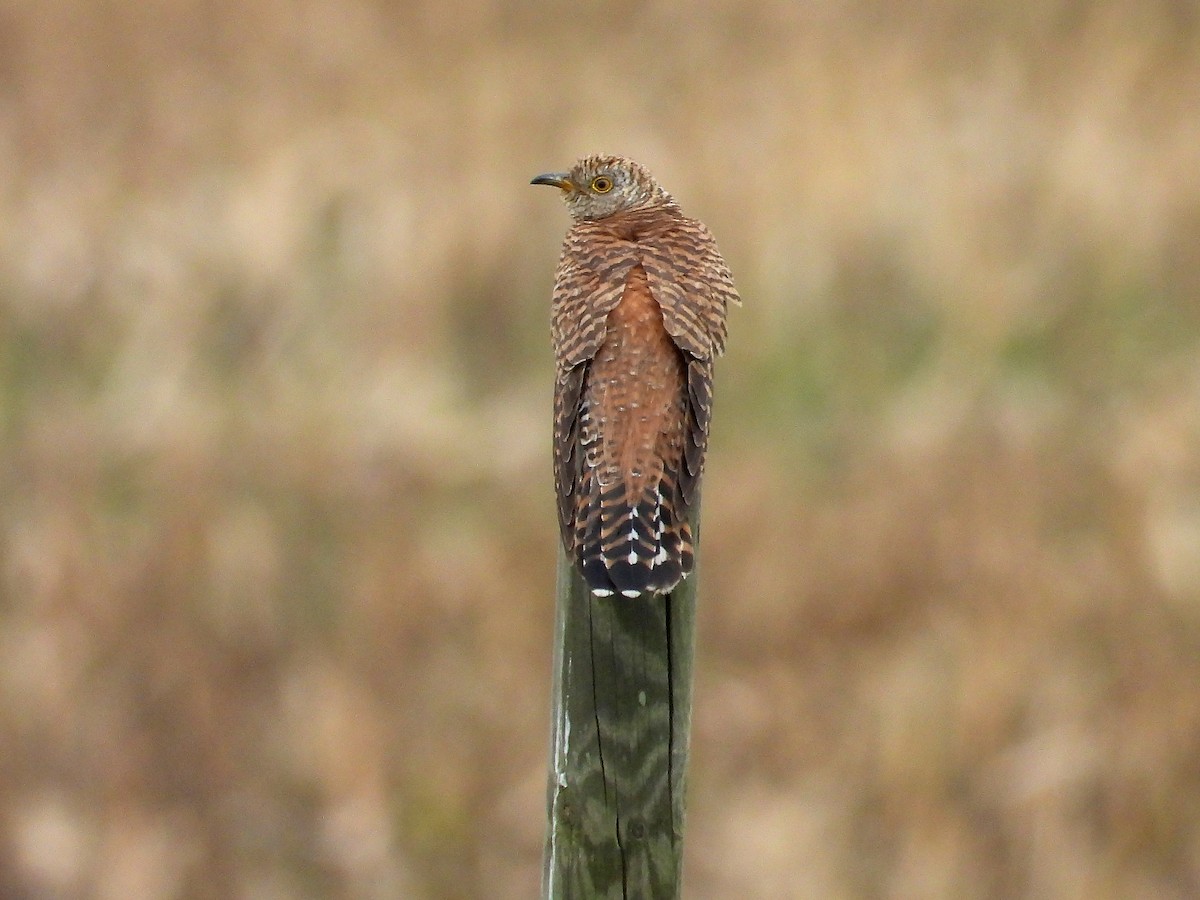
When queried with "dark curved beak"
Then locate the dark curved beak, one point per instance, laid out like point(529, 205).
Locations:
point(557, 179)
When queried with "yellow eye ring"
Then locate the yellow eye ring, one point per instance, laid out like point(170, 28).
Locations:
point(602, 184)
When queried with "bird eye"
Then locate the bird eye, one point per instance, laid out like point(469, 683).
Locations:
point(602, 184)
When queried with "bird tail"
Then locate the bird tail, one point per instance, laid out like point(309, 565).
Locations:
point(634, 548)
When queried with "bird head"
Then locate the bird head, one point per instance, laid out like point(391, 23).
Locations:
point(599, 186)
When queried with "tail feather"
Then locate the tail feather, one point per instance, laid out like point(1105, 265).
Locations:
point(676, 541)
point(588, 552)
point(633, 550)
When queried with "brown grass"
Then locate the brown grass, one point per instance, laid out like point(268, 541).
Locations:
point(276, 539)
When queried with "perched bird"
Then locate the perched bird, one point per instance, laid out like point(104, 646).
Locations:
point(638, 317)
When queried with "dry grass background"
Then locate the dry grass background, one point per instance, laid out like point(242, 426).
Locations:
point(276, 533)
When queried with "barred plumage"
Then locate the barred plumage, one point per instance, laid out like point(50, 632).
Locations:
point(638, 317)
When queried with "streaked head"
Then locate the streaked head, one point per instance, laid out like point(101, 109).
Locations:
point(599, 186)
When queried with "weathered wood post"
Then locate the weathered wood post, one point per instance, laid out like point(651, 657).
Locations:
point(622, 706)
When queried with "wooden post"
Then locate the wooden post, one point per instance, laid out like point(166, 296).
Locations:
point(622, 701)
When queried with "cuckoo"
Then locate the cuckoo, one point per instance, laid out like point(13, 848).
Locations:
point(637, 319)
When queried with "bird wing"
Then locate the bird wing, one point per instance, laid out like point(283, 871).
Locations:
point(693, 285)
point(568, 390)
point(588, 284)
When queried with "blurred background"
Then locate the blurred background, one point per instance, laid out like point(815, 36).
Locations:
point(277, 535)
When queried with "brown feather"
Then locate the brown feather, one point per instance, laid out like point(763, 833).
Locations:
point(640, 299)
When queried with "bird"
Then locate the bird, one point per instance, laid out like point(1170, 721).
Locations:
point(637, 319)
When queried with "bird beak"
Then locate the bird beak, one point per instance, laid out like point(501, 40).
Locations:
point(557, 179)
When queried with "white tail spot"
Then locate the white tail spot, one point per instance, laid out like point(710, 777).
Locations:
point(631, 593)
point(602, 592)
